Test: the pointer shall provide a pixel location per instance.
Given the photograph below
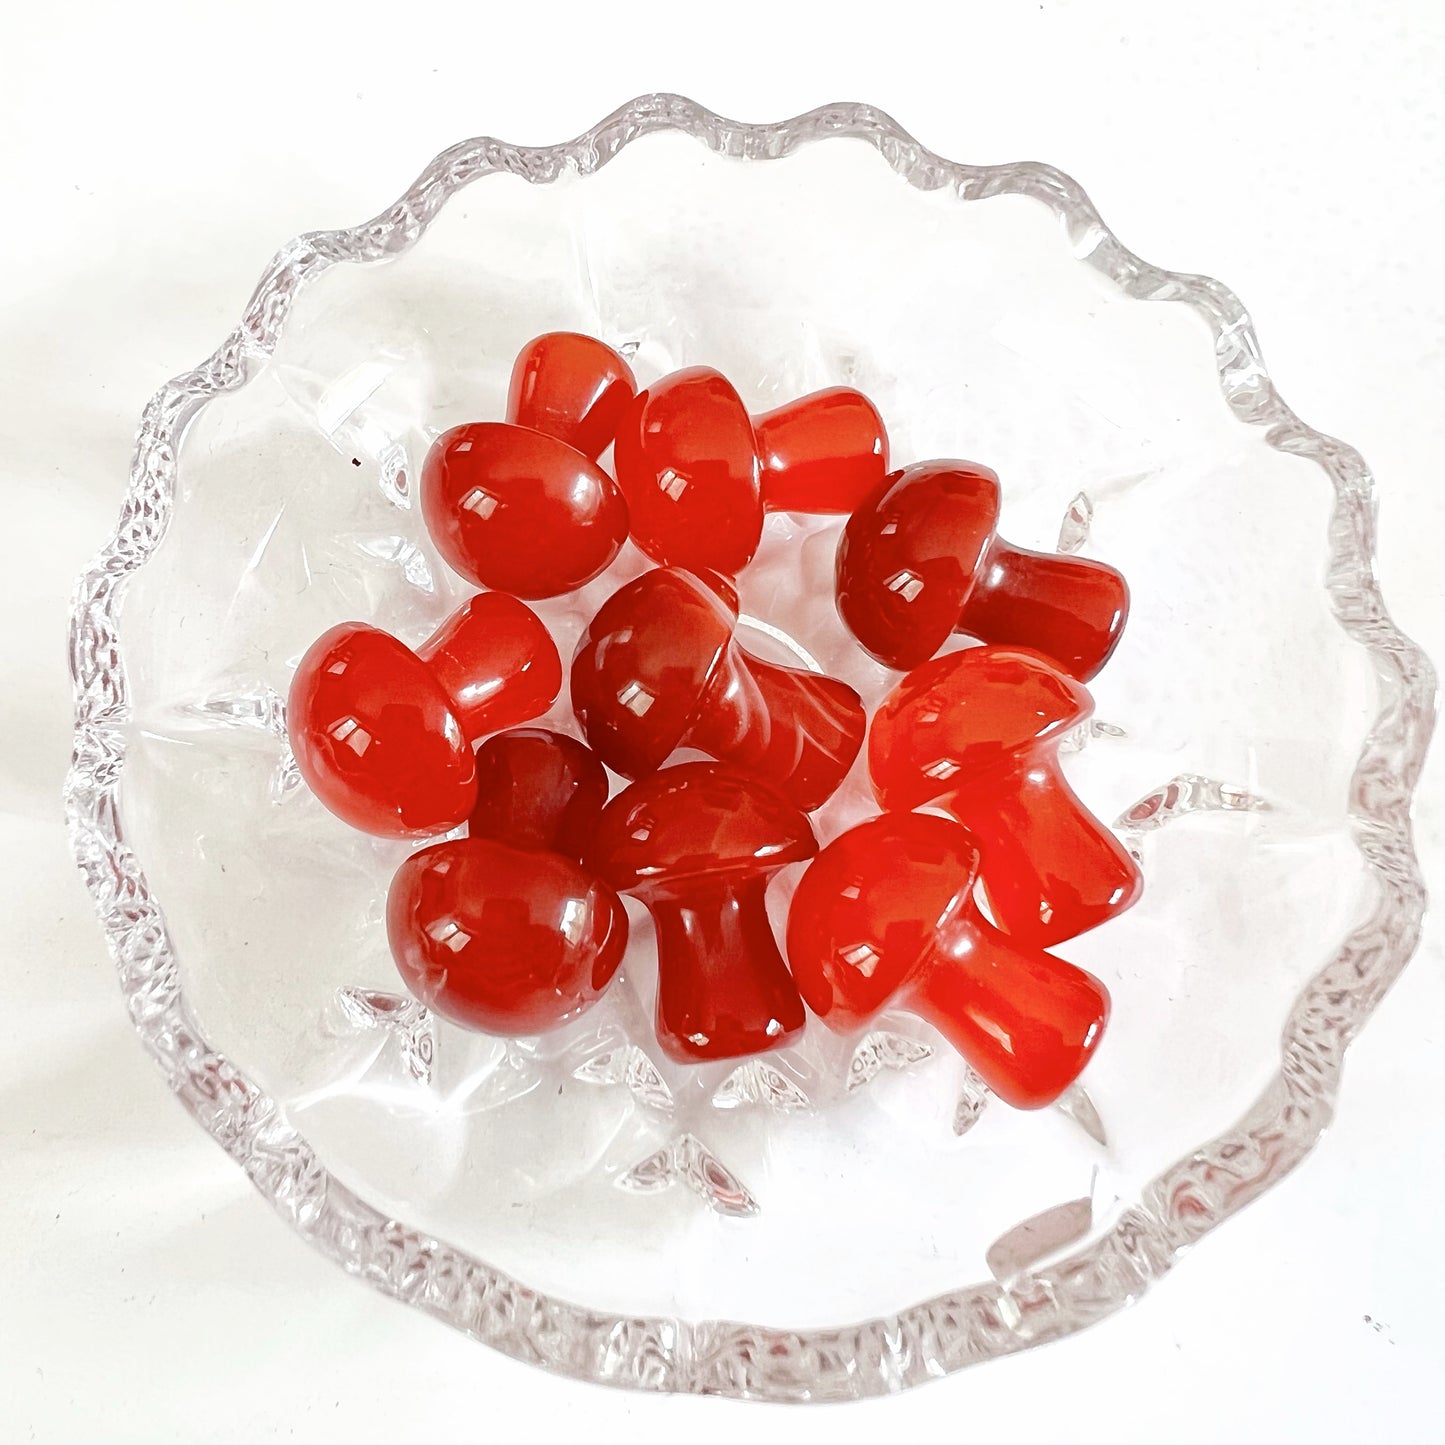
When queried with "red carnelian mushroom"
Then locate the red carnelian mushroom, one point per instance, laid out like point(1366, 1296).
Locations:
point(885, 915)
point(921, 559)
point(976, 733)
point(658, 669)
point(697, 844)
point(383, 735)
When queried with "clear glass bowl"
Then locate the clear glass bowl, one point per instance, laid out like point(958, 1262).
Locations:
point(578, 1200)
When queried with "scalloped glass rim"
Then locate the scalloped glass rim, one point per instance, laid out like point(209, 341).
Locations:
point(936, 1337)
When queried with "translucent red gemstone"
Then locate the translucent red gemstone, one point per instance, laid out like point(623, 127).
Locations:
point(976, 733)
point(697, 844)
point(687, 462)
point(884, 915)
point(503, 939)
point(383, 735)
point(572, 387)
point(496, 661)
point(824, 452)
point(518, 927)
point(921, 559)
point(538, 789)
point(658, 669)
point(520, 511)
point(698, 473)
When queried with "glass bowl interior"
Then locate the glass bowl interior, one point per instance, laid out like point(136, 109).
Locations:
point(858, 1198)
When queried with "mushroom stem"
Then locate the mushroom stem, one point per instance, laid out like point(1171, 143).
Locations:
point(823, 452)
point(723, 989)
point(496, 662)
point(1071, 608)
point(1026, 1021)
point(1050, 869)
point(799, 729)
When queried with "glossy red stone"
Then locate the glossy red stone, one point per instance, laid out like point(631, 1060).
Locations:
point(519, 511)
point(497, 662)
point(687, 462)
point(383, 735)
point(658, 669)
point(698, 473)
point(976, 733)
point(884, 915)
point(697, 844)
point(502, 939)
point(572, 387)
point(920, 559)
point(538, 789)
point(824, 452)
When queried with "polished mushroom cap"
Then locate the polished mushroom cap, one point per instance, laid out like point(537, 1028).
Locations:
point(696, 820)
point(870, 907)
point(376, 736)
point(506, 940)
point(686, 460)
point(519, 511)
point(909, 556)
point(965, 715)
point(641, 666)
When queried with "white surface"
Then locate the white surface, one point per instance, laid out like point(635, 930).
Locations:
point(154, 158)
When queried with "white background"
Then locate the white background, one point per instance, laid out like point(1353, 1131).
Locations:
point(153, 156)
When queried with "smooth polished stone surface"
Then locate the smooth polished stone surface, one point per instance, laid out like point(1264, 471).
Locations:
point(885, 915)
point(382, 735)
point(697, 844)
point(658, 668)
point(503, 939)
point(538, 789)
point(921, 559)
point(699, 473)
point(571, 386)
point(519, 511)
point(976, 733)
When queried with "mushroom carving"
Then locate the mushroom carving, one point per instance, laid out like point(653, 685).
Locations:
point(921, 559)
point(383, 735)
point(573, 387)
point(658, 669)
point(976, 733)
point(504, 930)
point(885, 915)
point(520, 511)
point(697, 845)
point(698, 472)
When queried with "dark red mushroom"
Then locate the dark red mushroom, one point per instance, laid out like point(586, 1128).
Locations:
point(921, 559)
point(697, 845)
point(658, 669)
point(538, 789)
